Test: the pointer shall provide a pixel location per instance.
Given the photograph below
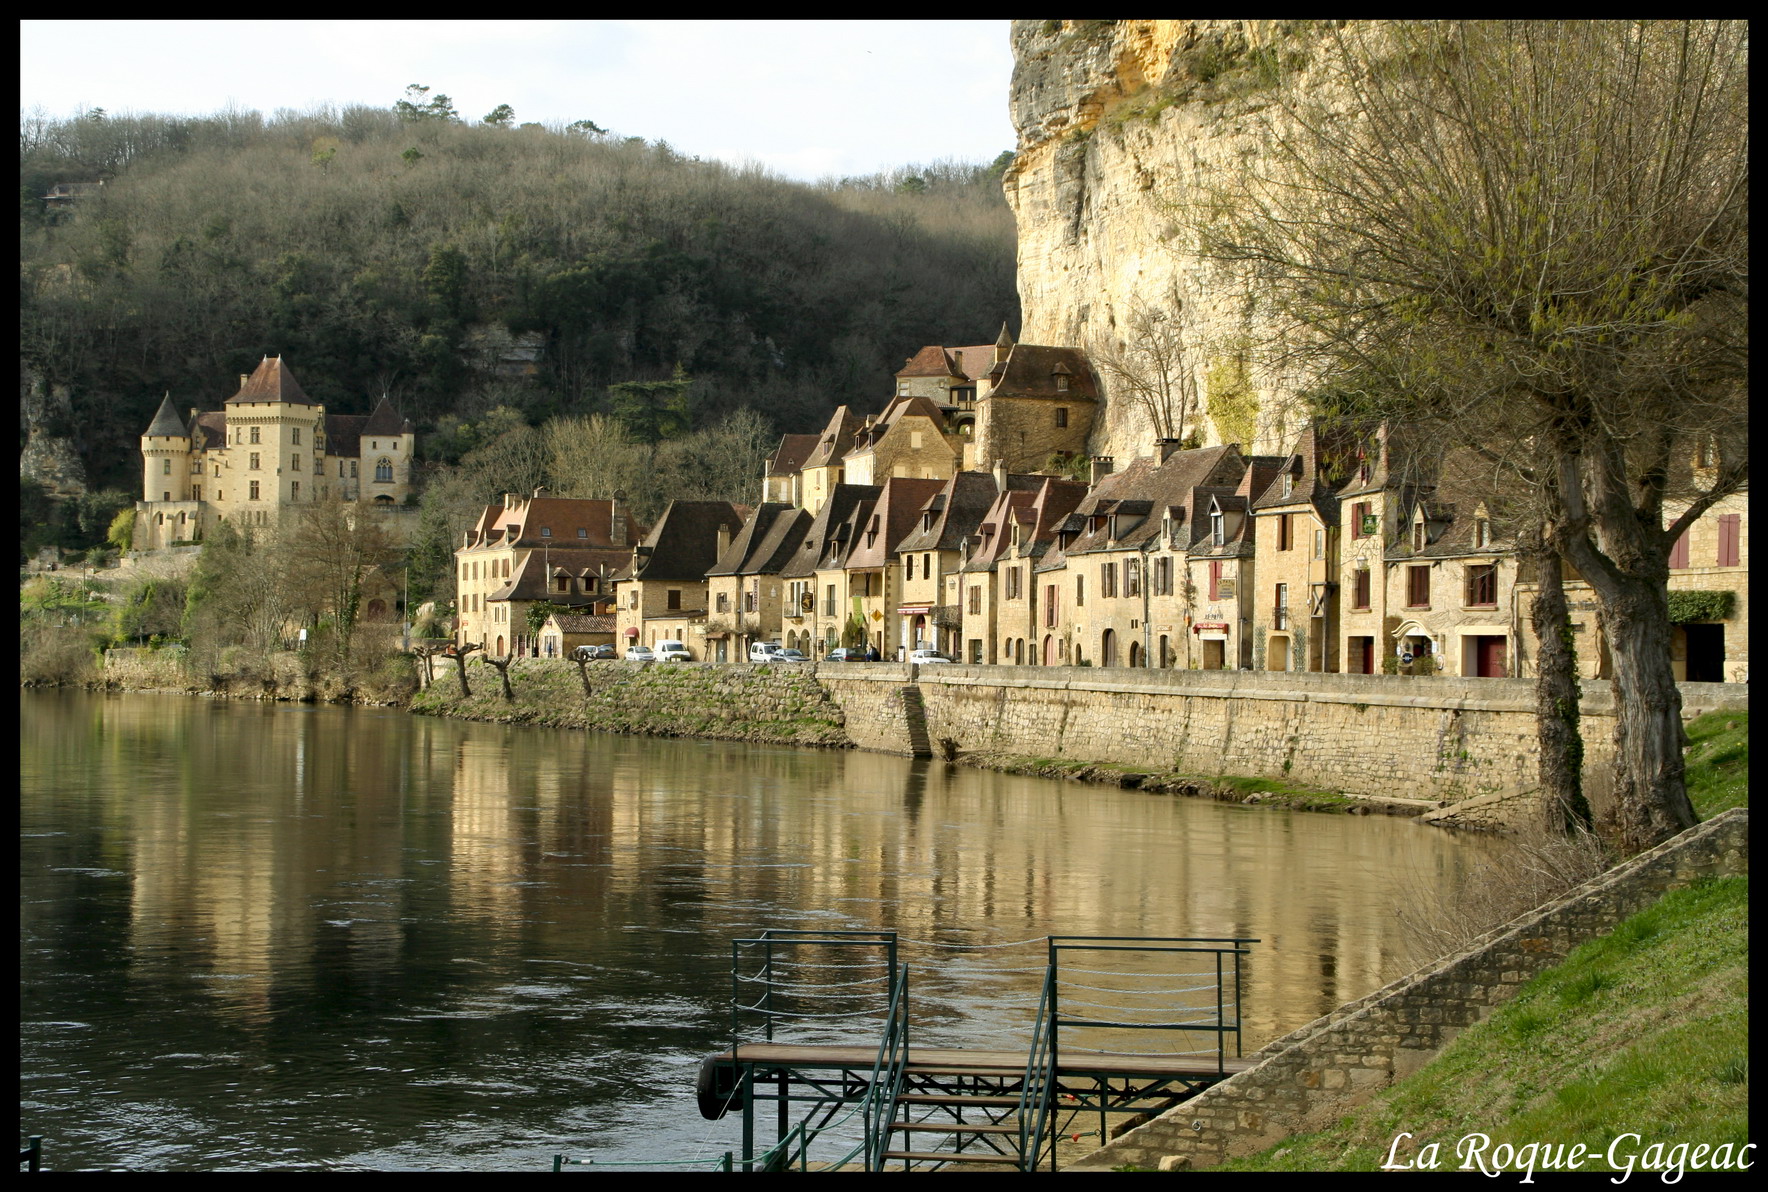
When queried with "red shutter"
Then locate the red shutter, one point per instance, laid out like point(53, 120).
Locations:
point(1730, 528)
point(1679, 553)
point(1215, 580)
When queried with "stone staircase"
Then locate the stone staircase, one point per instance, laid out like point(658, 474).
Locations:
point(914, 718)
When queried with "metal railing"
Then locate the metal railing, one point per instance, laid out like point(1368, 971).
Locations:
point(1037, 1093)
point(885, 1085)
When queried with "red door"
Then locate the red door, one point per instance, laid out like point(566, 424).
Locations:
point(1491, 660)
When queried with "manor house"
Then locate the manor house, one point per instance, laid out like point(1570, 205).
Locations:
point(269, 451)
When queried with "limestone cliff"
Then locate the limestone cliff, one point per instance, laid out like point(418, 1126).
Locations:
point(1119, 123)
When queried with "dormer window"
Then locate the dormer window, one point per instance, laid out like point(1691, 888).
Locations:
point(582, 532)
point(1218, 529)
point(1061, 383)
point(1418, 534)
point(1482, 533)
point(546, 531)
point(1288, 484)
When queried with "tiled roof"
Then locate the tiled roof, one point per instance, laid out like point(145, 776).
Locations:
point(272, 381)
point(683, 545)
point(343, 434)
point(1130, 498)
point(837, 436)
point(213, 428)
point(385, 420)
point(834, 513)
point(790, 455)
point(573, 623)
point(766, 541)
point(930, 361)
point(897, 511)
point(1031, 371)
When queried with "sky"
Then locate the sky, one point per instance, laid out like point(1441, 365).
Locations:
point(808, 99)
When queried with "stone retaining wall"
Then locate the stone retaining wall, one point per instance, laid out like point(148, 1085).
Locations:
point(1308, 1079)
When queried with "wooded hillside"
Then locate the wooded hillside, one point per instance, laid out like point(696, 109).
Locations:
point(388, 253)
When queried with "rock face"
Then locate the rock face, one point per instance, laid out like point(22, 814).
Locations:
point(1122, 125)
point(49, 457)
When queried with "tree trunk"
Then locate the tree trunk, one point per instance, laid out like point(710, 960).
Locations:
point(1556, 697)
point(1651, 803)
point(503, 673)
point(460, 666)
point(583, 673)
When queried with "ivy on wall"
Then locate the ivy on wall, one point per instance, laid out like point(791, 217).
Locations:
point(1697, 606)
point(1233, 403)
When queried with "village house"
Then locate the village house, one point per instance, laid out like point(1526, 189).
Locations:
point(930, 553)
point(1221, 560)
point(661, 594)
point(874, 580)
point(270, 451)
point(564, 632)
point(527, 550)
point(911, 438)
point(1037, 404)
point(749, 598)
point(824, 468)
point(1296, 551)
point(782, 480)
point(993, 585)
point(1710, 595)
point(810, 624)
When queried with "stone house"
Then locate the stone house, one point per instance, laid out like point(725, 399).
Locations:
point(1296, 609)
point(525, 550)
point(1449, 584)
point(564, 632)
point(1710, 594)
point(269, 451)
point(995, 582)
point(782, 480)
point(662, 594)
point(873, 583)
point(749, 598)
point(1035, 403)
point(911, 438)
point(825, 467)
point(1222, 560)
point(930, 554)
point(815, 570)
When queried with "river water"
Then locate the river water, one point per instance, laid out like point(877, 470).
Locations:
point(260, 936)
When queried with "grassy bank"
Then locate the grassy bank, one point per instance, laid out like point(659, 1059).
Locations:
point(1643, 1031)
point(1226, 789)
point(1719, 762)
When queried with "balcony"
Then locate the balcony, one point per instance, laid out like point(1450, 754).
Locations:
point(1280, 617)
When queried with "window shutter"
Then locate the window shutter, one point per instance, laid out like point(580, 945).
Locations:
point(1679, 553)
point(1730, 527)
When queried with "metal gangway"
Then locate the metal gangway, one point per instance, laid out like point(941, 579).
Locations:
point(821, 1027)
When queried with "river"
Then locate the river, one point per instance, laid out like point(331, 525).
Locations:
point(257, 936)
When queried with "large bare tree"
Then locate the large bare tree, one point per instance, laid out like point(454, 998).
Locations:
point(1151, 369)
point(1536, 233)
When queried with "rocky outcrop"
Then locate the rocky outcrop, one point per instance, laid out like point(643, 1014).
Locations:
point(1122, 126)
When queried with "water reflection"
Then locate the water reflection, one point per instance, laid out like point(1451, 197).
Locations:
point(268, 936)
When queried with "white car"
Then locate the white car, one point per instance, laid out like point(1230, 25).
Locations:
point(640, 654)
point(924, 656)
point(673, 651)
point(765, 652)
point(789, 656)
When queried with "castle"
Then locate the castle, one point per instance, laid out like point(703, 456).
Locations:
point(270, 450)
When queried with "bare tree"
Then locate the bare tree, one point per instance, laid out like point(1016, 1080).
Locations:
point(333, 548)
point(1536, 233)
point(1151, 369)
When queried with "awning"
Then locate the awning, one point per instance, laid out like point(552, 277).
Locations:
point(632, 632)
point(716, 637)
point(914, 610)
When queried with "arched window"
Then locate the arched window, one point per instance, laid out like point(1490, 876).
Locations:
point(383, 470)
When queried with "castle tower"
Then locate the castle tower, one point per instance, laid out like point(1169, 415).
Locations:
point(165, 457)
point(275, 438)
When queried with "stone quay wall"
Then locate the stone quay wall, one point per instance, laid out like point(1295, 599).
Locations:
point(1308, 1079)
point(1430, 738)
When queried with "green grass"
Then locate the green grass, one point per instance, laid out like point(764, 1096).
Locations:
point(1645, 1031)
point(1718, 762)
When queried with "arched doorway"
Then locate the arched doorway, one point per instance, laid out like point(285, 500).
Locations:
point(1049, 649)
point(500, 645)
point(1108, 648)
point(1135, 653)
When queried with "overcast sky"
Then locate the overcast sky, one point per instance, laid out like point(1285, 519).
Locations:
point(806, 98)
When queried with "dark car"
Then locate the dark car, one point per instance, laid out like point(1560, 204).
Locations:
point(843, 654)
point(593, 653)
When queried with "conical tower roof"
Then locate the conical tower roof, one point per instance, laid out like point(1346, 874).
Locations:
point(167, 422)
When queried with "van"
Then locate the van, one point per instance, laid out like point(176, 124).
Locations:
point(764, 652)
point(670, 650)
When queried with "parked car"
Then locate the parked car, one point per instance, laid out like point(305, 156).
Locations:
point(845, 654)
point(640, 654)
point(789, 656)
point(920, 657)
point(764, 652)
point(670, 650)
point(594, 653)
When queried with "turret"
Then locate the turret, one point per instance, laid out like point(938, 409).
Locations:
point(165, 457)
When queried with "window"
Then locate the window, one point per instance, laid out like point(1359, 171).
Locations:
point(546, 531)
point(1360, 588)
point(1362, 521)
point(295, 463)
point(908, 568)
point(165, 467)
point(828, 600)
point(295, 491)
point(563, 583)
point(672, 598)
point(383, 471)
point(165, 496)
point(1107, 579)
point(1215, 579)
point(254, 434)
point(1280, 608)
point(1730, 534)
point(752, 598)
point(724, 602)
point(254, 490)
point(1217, 529)
point(1482, 584)
point(296, 440)
point(1285, 531)
point(1132, 578)
point(1049, 606)
point(632, 599)
point(1482, 533)
point(254, 461)
point(1080, 590)
point(914, 440)
point(352, 470)
point(1679, 553)
point(196, 492)
point(1319, 544)
point(1061, 383)
point(1418, 587)
point(975, 599)
point(927, 566)
point(1061, 416)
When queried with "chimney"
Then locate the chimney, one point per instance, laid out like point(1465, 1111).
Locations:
point(1101, 468)
point(243, 378)
point(540, 492)
point(617, 519)
point(1000, 475)
point(1165, 447)
point(724, 540)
